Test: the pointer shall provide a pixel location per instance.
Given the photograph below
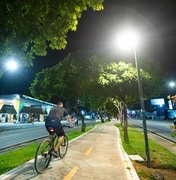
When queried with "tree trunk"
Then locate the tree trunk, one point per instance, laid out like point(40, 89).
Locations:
point(101, 117)
point(119, 106)
point(109, 117)
point(122, 112)
point(83, 127)
point(81, 117)
point(117, 116)
point(122, 118)
point(126, 138)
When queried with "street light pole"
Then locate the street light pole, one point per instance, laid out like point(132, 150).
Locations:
point(129, 39)
point(142, 108)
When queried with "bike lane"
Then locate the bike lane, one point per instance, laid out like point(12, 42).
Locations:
point(95, 155)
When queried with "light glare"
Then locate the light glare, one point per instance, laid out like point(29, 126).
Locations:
point(127, 39)
point(172, 84)
point(11, 65)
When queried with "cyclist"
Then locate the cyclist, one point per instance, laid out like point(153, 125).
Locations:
point(54, 120)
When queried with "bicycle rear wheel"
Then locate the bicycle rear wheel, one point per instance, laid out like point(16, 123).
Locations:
point(64, 147)
point(43, 155)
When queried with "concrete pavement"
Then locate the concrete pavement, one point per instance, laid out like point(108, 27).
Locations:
point(95, 155)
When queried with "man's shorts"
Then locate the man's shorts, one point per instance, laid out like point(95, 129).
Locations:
point(56, 125)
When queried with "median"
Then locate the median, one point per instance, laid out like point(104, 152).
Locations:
point(163, 164)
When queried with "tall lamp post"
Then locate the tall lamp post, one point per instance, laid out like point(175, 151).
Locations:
point(128, 39)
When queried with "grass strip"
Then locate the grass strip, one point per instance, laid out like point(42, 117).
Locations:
point(15, 158)
point(158, 154)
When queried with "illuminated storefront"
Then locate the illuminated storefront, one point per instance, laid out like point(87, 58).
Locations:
point(22, 108)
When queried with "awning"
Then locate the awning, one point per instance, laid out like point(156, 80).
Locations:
point(27, 110)
point(32, 110)
point(8, 109)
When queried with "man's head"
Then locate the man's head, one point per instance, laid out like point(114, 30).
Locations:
point(60, 104)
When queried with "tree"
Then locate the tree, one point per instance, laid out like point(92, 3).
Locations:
point(95, 98)
point(121, 81)
point(119, 105)
point(95, 95)
point(69, 80)
point(94, 81)
point(29, 28)
point(74, 79)
point(64, 80)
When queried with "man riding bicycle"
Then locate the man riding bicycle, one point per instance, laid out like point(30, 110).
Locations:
point(54, 121)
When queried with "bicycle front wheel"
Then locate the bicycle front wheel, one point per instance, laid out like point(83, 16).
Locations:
point(63, 147)
point(43, 155)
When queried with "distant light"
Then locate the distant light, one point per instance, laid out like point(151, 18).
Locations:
point(159, 102)
point(11, 65)
point(82, 112)
point(172, 84)
point(127, 39)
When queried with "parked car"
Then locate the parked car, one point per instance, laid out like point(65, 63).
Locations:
point(89, 116)
point(150, 115)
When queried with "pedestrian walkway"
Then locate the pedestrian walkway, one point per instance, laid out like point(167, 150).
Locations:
point(97, 155)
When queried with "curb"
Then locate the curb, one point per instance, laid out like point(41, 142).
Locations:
point(129, 168)
point(12, 173)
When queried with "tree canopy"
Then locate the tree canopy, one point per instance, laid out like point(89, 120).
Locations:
point(95, 81)
point(66, 80)
point(121, 80)
point(29, 28)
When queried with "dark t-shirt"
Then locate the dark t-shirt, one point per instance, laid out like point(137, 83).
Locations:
point(57, 113)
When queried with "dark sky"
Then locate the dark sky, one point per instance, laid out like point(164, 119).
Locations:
point(154, 19)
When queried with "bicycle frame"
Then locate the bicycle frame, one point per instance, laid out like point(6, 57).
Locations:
point(52, 137)
point(43, 156)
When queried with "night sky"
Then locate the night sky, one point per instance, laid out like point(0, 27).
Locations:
point(154, 19)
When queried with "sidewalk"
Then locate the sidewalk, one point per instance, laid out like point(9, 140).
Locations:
point(97, 155)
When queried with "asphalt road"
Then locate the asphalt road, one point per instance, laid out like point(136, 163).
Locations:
point(158, 126)
point(14, 134)
point(24, 134)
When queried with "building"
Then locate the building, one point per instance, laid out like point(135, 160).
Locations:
point(23, 109)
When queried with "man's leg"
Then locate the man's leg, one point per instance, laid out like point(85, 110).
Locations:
point(60, 133)
point(59, 141)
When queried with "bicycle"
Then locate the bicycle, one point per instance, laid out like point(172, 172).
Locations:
point(46, 150)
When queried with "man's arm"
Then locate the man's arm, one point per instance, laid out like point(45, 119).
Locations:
point(69, 120)
point(66, 115)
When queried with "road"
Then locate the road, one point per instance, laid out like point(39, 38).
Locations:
point(14, 134)
point(157, 126)
point(19, 133)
